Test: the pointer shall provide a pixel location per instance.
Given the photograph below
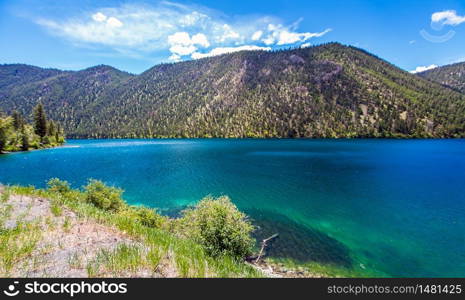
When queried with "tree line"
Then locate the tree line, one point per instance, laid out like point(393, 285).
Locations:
point(16, 134)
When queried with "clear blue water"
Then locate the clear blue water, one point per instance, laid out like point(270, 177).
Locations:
point(396, 207)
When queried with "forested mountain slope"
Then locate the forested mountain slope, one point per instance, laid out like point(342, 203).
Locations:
point(323, 91)
point(451, 75)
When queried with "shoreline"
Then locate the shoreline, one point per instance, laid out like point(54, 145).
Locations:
point(267, 138)
point(33, 149)
point(36, 205)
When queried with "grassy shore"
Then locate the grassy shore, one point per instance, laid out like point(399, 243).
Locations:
point(63, 232)
point(142, 251)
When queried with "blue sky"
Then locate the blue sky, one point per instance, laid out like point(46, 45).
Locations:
point(135, 35)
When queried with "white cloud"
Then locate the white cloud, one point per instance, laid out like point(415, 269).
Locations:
point(447, 17)
point(114, 22)
point(228, 33)
point(200, 39)
point(182, 44)
point(281, 35)
point(174, 57)
point(269, 40)
point(180, 29)
point(182, 50)
point(257, 35)
point(305, 45)
point(285, 37)
point(99, 17)
point(181, 38)
point(225, 50)
point(192, 19)
point(423, 68)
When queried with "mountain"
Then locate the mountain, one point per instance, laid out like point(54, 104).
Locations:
point(68, 97)
point(329, 90)
point(17, 74)
point(452, 76)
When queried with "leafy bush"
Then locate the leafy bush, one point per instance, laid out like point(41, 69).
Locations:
point(58, 186)
point(219, 227)
point(103, 196)
point(146, 216)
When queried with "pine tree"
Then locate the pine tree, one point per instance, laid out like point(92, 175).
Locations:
point(40, 121)
point(3, 139)
point(58, 133)
point(3, 133)
point(24, 140)
point(18, 120)
point(51, 128)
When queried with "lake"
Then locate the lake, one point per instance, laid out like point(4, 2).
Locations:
point(387, 207)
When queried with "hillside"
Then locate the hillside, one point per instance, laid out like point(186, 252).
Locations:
point(323, 91)
point(452, 76)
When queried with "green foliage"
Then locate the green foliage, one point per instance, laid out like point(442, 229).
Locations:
point(124, 258)
point(18, 120)
point(5, 195)
point(103, 196)
point(452, 76)
point(58, 186)
point(16, 244)
point(24, 141)
point(219, 226)
point(40, 121)
point(328, 90)
point(147, 216)
point(56, 209)
point(159, 246)
point(5, 127)
point(17, 135)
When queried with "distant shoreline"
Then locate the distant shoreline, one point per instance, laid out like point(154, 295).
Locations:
point(269, 138)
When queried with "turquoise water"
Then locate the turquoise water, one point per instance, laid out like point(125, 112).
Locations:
point(396, 207)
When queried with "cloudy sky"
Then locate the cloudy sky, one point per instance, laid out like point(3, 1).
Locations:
point(135, 35)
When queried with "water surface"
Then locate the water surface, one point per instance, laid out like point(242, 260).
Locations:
point(395, 207)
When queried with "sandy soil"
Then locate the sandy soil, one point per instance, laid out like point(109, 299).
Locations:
point(63, 250)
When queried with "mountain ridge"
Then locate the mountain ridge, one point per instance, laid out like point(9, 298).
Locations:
point(329, 90)
point(452, 76)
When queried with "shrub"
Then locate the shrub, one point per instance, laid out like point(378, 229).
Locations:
point(103, 196)
point(149, 217)
point(56, 209)
point(146, 216)
point(58, 186)
point(219, 227)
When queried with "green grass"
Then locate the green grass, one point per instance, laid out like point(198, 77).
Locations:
point(56, 208)
point(125, 258)
point(75, 261)
point(190, 259)
point(16, 244)
point(5, 195)
point(67, 224)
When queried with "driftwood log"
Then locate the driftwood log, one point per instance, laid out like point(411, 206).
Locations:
point(264, 243)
